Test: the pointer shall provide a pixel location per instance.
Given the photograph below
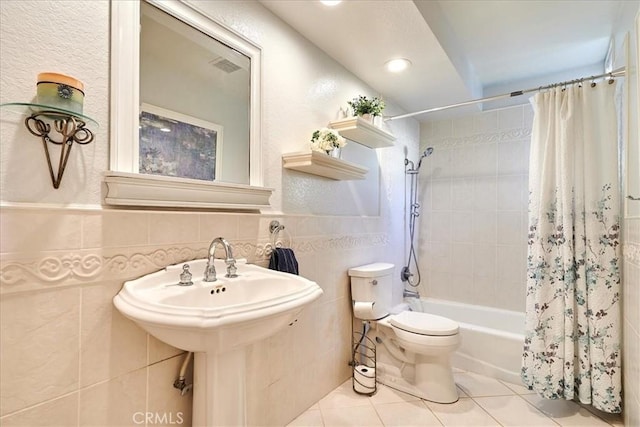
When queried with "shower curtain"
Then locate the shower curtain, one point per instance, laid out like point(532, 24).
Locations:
point(572, 344)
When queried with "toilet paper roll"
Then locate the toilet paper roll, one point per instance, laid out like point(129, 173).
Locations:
point(363, 310)
point(365, 379)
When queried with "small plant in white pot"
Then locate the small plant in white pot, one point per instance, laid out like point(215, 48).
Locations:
point(367, 108)
point(327, 141)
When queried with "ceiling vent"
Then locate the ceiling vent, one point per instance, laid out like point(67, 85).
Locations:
point(224, 65)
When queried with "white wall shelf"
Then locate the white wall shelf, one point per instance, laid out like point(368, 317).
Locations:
point(323, 165)
point(361, 131)
point(136, 189)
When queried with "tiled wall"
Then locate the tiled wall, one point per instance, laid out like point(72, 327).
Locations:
point(69, 358)
point(473, 191)
point(631, 321)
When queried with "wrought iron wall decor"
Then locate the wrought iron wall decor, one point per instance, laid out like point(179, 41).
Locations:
point(58, 127)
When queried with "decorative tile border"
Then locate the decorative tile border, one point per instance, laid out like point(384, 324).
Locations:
point(486, 138)
point(631, 253)
point(84, 267)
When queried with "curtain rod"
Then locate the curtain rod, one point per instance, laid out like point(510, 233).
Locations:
point(612, 74)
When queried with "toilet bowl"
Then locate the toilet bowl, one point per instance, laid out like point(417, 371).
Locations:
point(432, 339)
point(422, 340)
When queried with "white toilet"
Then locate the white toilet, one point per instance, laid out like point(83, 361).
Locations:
point(422, 340)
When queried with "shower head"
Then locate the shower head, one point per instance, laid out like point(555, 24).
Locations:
point(425, 153)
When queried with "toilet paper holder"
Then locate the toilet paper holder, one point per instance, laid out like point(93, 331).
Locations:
point(364, 376)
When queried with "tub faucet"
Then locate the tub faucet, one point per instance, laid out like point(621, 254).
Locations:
point(210, 270)
point(406, 293)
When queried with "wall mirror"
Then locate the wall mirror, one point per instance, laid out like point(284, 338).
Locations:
point(185, 110)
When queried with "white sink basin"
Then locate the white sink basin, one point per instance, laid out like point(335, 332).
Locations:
point(218, 316)
point(216, 320)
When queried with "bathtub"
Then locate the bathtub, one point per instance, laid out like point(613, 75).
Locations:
point(491, 339)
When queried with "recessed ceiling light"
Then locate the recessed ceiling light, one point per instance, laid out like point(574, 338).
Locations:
point(397, 65)
point(330, 2)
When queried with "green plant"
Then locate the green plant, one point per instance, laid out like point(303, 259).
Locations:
point(363, 105)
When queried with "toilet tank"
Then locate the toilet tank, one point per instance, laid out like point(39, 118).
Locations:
point(371, 290)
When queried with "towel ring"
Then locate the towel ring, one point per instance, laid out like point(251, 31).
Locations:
point(275, 228)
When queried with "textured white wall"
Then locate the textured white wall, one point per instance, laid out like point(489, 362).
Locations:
point(71, 37)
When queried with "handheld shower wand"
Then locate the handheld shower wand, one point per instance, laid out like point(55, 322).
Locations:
point(414, 212)
point(413, 169)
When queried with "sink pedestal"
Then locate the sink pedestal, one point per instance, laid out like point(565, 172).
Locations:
point(219, 394)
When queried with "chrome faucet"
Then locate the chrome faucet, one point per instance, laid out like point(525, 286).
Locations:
point(210, 270)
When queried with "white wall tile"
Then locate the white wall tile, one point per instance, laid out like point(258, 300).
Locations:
point(513, 158)
point(441, 194)
point(485, 227)
point(510, 193)
point(484, 260)
point(213, 225)
point(164, 399)
point(171, 228)
point(510, 118)
point(462, 194)
point(462, 259)
point(484, 159)
point(510, 231)
point(486, 122)
point(485, 194)
point(114, 229)
point(34, 231)
point(441, 227)
point(488, 210)
point(117, 402)
point(111, 345)
point(39, 346)
point(58, 412)
point(462, 227)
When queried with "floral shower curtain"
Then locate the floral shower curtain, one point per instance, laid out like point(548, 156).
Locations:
point(572, 344)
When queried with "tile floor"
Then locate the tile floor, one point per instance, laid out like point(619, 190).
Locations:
point(483, 401)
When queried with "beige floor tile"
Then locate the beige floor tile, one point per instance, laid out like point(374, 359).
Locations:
point(343, 397)
point(514, 411)
point(388, 395)
point(518, 388)
point(464, 413)
point(309, 418)
point(356, 416)
point(406, 414)
point(565, 412)
point(475, 385)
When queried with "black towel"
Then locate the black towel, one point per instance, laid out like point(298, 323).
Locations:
point(283, 259)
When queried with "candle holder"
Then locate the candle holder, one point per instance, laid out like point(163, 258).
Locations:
point(70, 127)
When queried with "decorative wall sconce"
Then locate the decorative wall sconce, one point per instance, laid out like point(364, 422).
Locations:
point(60, 124)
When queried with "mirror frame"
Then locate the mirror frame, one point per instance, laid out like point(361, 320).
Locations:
point(124, 185)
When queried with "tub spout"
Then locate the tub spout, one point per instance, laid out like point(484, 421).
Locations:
point(410, 294)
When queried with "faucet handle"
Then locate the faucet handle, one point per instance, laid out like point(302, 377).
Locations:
point(231, 268)
point(210, 271)
point(185, 276)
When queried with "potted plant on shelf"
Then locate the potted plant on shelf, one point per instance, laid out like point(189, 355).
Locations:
point(367, 108)
point(327, 141)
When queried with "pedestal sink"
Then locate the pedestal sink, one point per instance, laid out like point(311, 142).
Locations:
point(216, 320)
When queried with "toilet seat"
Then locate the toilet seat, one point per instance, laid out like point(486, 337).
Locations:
point(424, 323)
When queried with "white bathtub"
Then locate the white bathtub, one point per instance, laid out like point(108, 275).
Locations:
point(492, 339)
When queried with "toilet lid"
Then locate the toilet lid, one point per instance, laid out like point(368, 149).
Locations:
point(424, 323)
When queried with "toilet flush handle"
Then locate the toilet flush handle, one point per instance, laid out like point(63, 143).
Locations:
point(374, 282)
